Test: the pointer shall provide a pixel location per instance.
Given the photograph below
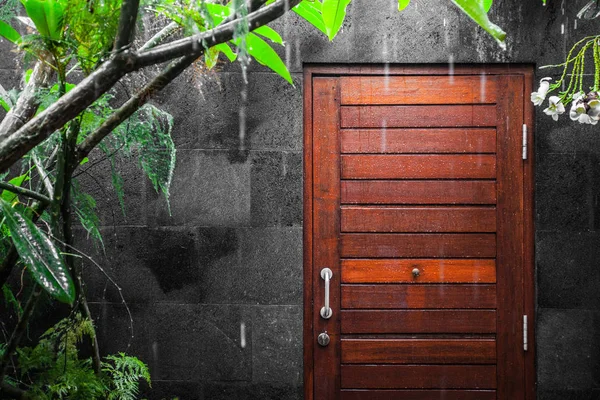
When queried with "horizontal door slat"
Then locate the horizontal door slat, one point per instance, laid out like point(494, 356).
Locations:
point(418, 90)
point(419, 376)
point(418, 321)
point(361, 394)
point(365, 245)
point(418, 219)
point(445, 140)
point(418, 192)
point(430, 271)
point(418, 116)
point(388, 166)
point(418, 351)
point(418, 296)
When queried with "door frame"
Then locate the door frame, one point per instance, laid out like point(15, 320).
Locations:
point(338, 70)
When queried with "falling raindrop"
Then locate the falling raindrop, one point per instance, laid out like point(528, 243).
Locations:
point(451, 68)
point(482, 84)
point(243, 335)
point(242, 115)
point(386, 65)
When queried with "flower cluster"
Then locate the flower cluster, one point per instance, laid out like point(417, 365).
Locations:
point(585, 108)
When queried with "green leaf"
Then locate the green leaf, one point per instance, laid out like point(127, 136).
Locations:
point(211, 56)
point(9, 196)
point(475, 10)
point(312, 13)
point(265, 55)
point(8, 32)
point(85, 160)
point(334, 13)
point(40, 254)
point(487, 5)
point(4, 105)
point(402, 4)
point(270, 34)
point(225, 49)
point(28, 75)
point(47, 15)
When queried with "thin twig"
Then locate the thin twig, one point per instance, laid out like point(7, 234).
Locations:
point(25, 192)
point(161, 35)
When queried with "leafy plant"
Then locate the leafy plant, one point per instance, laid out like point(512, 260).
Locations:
point(56, 370)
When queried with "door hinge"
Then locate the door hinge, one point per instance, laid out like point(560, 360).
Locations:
point(524, 142)
point(525, 332)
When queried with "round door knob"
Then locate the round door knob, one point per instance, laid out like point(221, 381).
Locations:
point(416, 272)
point(323, 339)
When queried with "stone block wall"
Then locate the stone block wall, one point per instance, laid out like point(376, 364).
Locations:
point(215, 288)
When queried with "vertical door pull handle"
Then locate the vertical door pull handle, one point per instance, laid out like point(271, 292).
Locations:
point(326, 311)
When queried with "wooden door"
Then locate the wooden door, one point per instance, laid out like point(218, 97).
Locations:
point(418, 199)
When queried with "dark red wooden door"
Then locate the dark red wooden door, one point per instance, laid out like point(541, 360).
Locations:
point(417, 205)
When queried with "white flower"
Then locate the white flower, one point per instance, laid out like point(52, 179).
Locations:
point(594, 111)
point(579, 111)
point(538, 97)
point(555, 107)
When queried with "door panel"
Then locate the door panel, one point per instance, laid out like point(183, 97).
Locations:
point(417, 116)
point(416, 90)
point(356, 245)
point(445, 140)
point(418, 166)
point(417, 213)
point(418, 192)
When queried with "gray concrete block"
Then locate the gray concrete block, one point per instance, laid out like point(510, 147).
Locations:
point(276, 189)
point(567, 270)
point(568, 350)
point(272, 261)
point(277, 345)
point(566, 190)
point(226, 343)
point(210, 112)
point(176, 346)
point(246, 263)
point(147, 264)
point(251, 391)
point(208, 189)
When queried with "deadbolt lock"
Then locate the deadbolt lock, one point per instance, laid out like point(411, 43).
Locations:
point(323, 339)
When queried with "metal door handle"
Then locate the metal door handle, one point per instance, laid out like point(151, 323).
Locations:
point(326, 311)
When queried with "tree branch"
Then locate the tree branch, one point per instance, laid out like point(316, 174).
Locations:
point(132, 105)
point(25, 192)
point(161, 35)
point(27, 104)
point(220, 34)
point(126, 30)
